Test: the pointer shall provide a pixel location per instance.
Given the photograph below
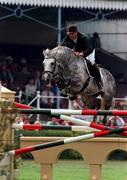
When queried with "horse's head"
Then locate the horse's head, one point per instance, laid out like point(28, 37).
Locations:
point(49, 66)
point(56, 63)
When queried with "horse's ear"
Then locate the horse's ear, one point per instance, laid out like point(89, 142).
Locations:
point(46, 52)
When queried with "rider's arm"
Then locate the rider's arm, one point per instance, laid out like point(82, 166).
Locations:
point(78, 53)
point(64, 41)
point(87, 46)
point(67, 42)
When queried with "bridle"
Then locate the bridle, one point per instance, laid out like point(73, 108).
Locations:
point(53, 70)
point(54, 74)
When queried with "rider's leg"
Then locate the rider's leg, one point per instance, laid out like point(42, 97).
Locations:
point(97, 76)
point(91, 58)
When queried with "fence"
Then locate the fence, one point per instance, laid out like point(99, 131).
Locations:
point(38, 97)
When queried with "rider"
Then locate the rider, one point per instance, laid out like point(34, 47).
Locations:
point(82, 46)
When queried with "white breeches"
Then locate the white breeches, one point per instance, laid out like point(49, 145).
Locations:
point(91, 57)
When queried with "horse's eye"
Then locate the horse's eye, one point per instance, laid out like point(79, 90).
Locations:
point(52, 64)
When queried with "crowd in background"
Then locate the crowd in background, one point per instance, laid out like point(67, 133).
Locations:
point(20, 76)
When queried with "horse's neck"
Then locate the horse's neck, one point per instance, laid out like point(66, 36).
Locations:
point(75, 68)
point(80, 68)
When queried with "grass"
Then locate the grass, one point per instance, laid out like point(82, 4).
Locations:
point(114, 170)
point(74, 170)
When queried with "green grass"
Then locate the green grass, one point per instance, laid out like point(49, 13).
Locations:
point(114, 170)
point(70, 170)
point(74, 170)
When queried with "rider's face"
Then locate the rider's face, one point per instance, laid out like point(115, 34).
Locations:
point(72, 35)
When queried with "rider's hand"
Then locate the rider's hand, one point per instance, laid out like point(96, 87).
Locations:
point(78, 53)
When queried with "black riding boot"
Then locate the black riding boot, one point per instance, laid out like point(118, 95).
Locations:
point(98, 76)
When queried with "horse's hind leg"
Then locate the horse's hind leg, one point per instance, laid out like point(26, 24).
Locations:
point(105, 105)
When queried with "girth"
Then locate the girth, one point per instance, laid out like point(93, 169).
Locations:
point(85, 85)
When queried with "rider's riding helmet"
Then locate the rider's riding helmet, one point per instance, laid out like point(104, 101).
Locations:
point(72, 28)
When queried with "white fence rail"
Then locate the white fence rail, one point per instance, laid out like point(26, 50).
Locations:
point(38, 97)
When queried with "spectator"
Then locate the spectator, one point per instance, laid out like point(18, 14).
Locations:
point(38, 81)
point(96, 40)
point(6, 76)
point(11, 64)
point(78, 104)
point(45, 101)
point(30, 89)
point(23, 66)
point(64, 103)
point(115, 121)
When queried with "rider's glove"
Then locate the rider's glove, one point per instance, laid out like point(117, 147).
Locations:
point(78, 53)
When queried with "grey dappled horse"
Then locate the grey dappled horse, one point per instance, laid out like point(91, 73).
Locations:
point(71, 74)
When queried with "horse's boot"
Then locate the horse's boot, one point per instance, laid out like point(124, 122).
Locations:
point(98, 77)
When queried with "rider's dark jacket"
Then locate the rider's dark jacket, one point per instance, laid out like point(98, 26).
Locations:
point(83, 44)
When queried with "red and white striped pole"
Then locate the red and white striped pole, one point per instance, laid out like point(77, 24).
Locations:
point(85, 123)
point(31, 110)
point(65, 141)
point(22, 106)
point(75, 112)
point(51, 127)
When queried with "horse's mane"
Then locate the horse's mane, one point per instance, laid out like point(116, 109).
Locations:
point(59, 52)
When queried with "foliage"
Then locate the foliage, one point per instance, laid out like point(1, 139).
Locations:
point(70, 154)
point(118, 155)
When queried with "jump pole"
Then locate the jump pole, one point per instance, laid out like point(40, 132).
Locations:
point(66, 112)
point(50, 127)
point(65, 141)
point(86, 123)
point(59, 127)
point(22, 106)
